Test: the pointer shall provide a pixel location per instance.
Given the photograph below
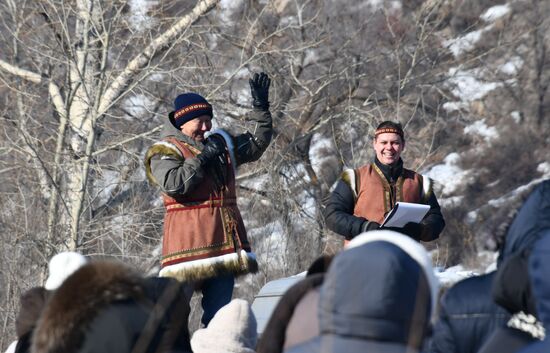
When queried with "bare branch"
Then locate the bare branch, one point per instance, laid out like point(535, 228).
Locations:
point(142, 60)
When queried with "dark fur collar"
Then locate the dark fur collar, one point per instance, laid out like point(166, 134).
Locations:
point(72, 307)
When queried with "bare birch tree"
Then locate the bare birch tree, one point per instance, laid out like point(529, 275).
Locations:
point(79, 54)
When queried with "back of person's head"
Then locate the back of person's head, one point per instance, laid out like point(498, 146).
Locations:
point(380, 289)
point(107, 306)
point(320, 264)
point(413, 249)
point(33, 302)
point(232, 329)
point(62, 266)
point(294, 319)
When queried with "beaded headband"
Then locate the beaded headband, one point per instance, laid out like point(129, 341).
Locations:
point(386, 130)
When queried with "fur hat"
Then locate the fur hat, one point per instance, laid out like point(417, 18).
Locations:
point(188, 106)
point(62, 266)
point(232, 330)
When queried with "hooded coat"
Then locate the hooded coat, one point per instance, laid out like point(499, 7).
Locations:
point(107, 307)
point(539, 268)
point(468, 315)
point(33, 301)
point(377, 296)
point(512, 291)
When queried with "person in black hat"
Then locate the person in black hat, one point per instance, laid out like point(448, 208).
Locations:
point(386, 307)
point(363, 196)
point(204, 238)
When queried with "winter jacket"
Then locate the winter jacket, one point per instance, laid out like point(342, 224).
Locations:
point(539, 268)
point(530, 221)
point(204, 234)
point(512, 291)
point(341, 212)
point(384, 307)
point(176, 177)
point(232, 330)
point(468, 315)
point(107, 307)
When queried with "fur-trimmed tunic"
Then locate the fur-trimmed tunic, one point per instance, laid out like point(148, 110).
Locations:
point(204, 234)
point(366, 194)
point(374, 193)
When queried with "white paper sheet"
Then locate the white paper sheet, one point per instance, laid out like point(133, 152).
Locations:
point(405, 212)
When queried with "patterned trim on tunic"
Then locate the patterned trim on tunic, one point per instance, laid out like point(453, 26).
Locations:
point(387, 188)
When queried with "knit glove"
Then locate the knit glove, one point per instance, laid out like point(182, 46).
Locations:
point(259, 89)
point(368, 225)
point(214, 147)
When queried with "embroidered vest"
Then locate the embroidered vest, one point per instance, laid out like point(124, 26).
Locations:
point(375, 196)
point(204, 234)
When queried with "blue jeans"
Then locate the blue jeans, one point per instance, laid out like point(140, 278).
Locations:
point(216, 292)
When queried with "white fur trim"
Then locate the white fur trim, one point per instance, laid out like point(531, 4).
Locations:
point(230, 147)
point(204, 268)
point(350, 173)
point(411, 247)
point(62, 266)
point(527, 323)
point(11, 347)
point(169, 145)
point(426, 185)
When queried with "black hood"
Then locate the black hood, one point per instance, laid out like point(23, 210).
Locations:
point(530, 222)
point(376, 292)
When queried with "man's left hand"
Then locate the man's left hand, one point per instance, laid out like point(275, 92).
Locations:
point(412, 229)
point(259, 88)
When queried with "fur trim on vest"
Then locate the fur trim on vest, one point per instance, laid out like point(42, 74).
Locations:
point(238, 264)
point(204, 234)
point(163, 148)
point(348, 176)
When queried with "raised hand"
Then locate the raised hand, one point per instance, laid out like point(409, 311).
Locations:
point(259, 88)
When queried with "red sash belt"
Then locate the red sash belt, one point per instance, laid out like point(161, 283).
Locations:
point(215, 202)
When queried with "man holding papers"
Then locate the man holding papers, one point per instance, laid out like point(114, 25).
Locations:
point(364, 196)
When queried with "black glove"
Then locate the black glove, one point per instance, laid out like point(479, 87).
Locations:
point(413, 230)
point(259, 88)
point(365, 227)
point(214, 147)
